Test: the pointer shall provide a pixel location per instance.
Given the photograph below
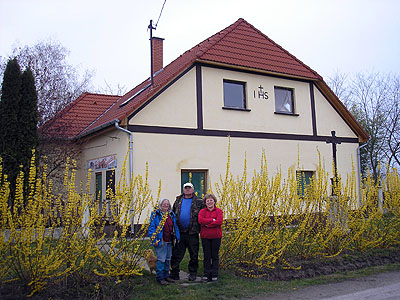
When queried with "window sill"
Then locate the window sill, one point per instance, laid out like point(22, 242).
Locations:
point(236, 108)
point(286, 114)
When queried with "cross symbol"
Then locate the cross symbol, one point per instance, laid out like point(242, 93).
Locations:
point(334, 140)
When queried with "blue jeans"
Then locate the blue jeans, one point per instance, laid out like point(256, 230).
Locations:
point(163, 254)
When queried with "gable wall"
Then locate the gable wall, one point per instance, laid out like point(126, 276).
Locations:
point(261, 117)
point(175, 107)
point(328, 119)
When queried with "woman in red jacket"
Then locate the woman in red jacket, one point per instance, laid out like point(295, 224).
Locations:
point(210, 219)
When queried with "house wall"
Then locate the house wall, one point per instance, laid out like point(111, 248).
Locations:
point(203, 145)
point(175, 107)
point(169, 154)
point(112, 142)
point(328, 119)
point(261, 117)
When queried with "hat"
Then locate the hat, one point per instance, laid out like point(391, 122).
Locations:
point(188, 184)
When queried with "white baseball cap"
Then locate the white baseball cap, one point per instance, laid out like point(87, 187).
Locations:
point(188, 184)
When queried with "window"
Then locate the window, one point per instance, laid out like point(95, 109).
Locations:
point(110, 191)
point(284, 102)
point(110, 182)
point(99, 189)
point(303, 179)
point(234, 94)
point(198, 178)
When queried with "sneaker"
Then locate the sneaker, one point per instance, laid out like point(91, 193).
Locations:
point(214, 279)
point(169, 279)
point(204, 279)
point(192, 277)
point(163, 282)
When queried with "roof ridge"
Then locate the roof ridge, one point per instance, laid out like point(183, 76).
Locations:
point(102, 94)
point(228, 29)
point(284, 50)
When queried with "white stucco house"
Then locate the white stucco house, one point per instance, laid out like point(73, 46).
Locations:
point(236, 83)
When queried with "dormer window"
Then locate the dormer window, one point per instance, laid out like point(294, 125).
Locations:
point(284, 101)
point(234, 94)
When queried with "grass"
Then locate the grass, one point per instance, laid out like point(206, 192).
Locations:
point(229, 286)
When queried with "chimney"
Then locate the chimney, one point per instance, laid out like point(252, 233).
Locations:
point(157, 54)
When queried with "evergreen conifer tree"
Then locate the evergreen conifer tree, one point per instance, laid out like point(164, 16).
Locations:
point(18, 121)
point(28, 119)
point(9, 110)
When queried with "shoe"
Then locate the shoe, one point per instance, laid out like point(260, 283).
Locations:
point(163, 282)
point(204, 279)
point(169, 279)
point(174, 277)
point(192, 277)
point(214, 279)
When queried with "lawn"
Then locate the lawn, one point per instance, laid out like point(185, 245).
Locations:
point(229, 286)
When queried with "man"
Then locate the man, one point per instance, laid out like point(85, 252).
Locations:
point(186, 209)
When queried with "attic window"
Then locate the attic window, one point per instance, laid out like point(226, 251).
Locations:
point(284, 101)
point(134, 96)
point(234, 94)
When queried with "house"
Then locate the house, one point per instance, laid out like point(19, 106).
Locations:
point(237, 83)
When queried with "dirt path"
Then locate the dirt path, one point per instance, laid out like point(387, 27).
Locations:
point(374, 287)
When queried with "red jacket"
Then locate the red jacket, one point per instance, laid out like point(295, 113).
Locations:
point(211, 229)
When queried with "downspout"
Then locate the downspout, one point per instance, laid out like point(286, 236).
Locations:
point(130, 165)
point(359, 168)
point(130, 146)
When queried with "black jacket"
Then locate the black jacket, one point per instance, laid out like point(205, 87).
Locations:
point(197, 205)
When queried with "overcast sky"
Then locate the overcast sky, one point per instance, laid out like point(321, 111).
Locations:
point(111, 36)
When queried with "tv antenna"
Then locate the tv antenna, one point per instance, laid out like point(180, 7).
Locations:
point(151, 27)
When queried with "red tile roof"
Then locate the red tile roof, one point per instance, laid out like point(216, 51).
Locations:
point(240, 45)
point(74, 118)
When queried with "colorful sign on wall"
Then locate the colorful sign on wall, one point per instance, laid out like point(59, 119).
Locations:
point(103, 163)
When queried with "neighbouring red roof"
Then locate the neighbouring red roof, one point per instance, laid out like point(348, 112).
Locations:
point(78, 115)
point(239, 45)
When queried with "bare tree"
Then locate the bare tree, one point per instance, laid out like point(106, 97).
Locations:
point(339, 85)
point(57, 82)
point(109, 89)
point(373, 99)
point(393, 121)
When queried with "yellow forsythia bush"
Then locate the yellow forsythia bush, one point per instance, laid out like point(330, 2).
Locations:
point(46, 237)
point(268, 224)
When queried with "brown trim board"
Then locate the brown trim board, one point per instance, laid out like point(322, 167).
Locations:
point(199, 97)
point(313, 112)
point(238, 134)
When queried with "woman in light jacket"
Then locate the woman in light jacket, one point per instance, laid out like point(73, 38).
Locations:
point(162, 231)
point(210, 219)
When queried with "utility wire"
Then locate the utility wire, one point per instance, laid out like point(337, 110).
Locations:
point(160, 14)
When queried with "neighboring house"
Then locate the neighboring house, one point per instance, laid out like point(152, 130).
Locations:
point(237, 83)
